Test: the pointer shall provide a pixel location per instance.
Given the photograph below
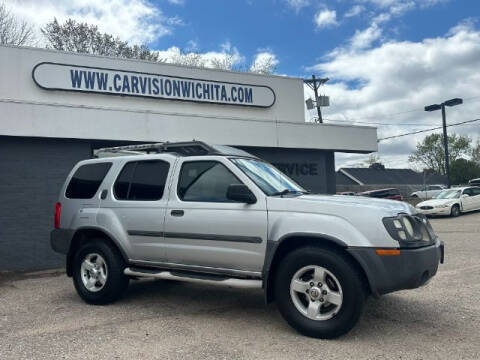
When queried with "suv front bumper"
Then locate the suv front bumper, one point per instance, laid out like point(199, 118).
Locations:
point(411, 269)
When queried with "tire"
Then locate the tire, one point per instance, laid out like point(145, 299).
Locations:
point(336, 320)
point(455, 211)
point(108, 283)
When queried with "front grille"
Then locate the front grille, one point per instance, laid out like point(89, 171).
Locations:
point(426, 207)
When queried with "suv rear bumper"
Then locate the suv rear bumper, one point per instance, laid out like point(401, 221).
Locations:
point(60, 240)
point(411, 269)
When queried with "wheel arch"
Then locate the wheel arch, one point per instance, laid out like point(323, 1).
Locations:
point(85, 234)
point(277, 250)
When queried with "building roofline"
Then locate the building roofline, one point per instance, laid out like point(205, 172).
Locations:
point(351, 177)
point(149, 62)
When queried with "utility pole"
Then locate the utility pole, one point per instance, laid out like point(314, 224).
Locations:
point(451, 102)
point(314, 84)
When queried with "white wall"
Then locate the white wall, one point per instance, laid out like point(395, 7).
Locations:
point(27, 110)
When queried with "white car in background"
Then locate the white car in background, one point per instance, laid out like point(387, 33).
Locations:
point(428, 192)
point(452, 202)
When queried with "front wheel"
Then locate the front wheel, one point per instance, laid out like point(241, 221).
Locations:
point(98, 273)
point(319, 292)
point(455, 211)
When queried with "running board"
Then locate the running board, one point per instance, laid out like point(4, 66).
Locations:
point(195, 278)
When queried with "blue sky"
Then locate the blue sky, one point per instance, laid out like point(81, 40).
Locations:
point(291, 33)
point(386, 59)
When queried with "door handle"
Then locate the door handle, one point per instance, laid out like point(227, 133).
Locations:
point(177, 212)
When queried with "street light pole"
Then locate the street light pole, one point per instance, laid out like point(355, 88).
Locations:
point(451, 102)
point(445, 146)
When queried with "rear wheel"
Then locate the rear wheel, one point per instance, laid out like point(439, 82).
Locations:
point(319, 292)
point(98, 273)
point(455, 211)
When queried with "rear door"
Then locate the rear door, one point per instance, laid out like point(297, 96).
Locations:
point(138, 199)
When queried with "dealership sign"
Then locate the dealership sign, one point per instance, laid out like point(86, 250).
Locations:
point(53, 76)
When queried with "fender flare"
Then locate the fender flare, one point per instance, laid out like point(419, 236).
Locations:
point(105, 233)
point(272, 250)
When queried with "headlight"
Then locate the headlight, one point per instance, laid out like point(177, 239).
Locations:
point(409, 230)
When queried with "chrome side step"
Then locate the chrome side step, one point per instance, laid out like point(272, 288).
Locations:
point(170, 275)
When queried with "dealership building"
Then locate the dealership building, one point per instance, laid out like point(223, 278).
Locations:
point(56, 108)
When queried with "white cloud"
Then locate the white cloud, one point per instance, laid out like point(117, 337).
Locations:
point(364, 38)
point(325, 18)
point(265, 62)
point(354, 11)
point(176, 2)
point(298, 4)
point(137, 21)
point(226, 57)
point(391, 83)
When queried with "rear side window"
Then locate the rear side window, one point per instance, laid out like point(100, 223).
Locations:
point(86, 180)
point(142, 181)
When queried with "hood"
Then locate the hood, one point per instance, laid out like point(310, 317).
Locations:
point(334, 203)
point(434, 202)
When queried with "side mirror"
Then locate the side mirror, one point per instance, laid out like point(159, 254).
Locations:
point(240, 193)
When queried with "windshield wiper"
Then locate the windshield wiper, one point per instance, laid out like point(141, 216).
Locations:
point(288, 191)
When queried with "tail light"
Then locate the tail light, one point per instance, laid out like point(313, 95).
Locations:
point(58, 210)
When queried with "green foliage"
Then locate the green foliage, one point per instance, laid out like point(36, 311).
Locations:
point(87, 39)
point(462, 170)
point(476, 152)
point(430, 152)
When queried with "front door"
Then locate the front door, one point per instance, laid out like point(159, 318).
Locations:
point(204, 229)
point(468, 201)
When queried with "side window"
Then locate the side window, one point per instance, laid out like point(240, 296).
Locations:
point(142, 181)
point(205, 181)
point(86, 180)
point(468, 192)
point(475, 191)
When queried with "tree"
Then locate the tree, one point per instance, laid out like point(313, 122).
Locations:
point(430, 152)
point(87, 39)
point(372, 159)
point(14, 31)
point(462, 170)
point(476, 152)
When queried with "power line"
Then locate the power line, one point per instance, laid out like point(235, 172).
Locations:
point(426, 130)
point(358, 120)
point(379, 123)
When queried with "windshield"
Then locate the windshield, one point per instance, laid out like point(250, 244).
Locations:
point(449, 194)
point(267, 177)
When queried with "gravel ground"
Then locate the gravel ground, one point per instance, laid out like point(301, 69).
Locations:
point(41, 317)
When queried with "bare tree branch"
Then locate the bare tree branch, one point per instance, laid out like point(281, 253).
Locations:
point(14, 31)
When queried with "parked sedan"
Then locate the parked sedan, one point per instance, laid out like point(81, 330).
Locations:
point(452, 202)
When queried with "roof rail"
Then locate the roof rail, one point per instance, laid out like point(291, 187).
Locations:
point(186, 148)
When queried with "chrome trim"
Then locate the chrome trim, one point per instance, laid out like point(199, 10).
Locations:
point(198, 269)
point(167, 275)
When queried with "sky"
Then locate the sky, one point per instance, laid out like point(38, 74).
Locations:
point(386, 59)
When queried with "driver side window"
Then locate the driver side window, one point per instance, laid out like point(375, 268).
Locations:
point(205, 181)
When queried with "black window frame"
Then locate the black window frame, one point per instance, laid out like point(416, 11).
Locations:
point(133, 175)
point(201, 201)
point(109, 163)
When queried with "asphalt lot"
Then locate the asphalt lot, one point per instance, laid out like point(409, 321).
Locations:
point(41, 317)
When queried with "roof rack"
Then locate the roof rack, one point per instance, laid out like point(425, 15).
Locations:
point(187, 148)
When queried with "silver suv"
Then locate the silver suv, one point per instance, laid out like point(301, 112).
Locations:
point(218, 215)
